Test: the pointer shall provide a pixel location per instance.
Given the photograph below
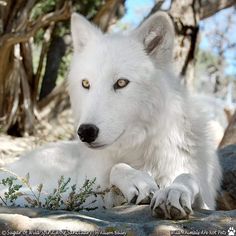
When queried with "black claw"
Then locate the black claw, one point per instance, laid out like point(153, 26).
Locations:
point(187, 210)
point(159, 212)
point(134, 199)
point(145, 201)
point(151, 194)
point(175, 213)
point(152, 204)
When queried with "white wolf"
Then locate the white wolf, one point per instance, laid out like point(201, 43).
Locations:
point(139, 130)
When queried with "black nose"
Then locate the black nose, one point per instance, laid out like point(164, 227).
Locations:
point(88, 132)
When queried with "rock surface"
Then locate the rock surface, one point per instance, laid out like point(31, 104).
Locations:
point(133, 220)
point(227, 198)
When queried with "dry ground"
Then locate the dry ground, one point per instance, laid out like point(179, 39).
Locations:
point(58, 128)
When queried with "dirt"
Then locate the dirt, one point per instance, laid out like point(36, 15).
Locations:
point(58, 128)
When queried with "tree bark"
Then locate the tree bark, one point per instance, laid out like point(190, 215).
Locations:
point(55, 53)
point(185, 15)
point(230, 133)
point(111, 11)
point(27, 59)
point(209, 8)
point(43, 54)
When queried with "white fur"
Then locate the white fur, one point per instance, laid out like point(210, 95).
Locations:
point(152, 126)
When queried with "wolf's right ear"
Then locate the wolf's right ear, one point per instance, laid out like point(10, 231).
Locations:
point(157, 36)
point(82, 31)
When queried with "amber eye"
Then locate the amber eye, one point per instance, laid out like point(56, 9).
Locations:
point(85, 84)
point(121, 83)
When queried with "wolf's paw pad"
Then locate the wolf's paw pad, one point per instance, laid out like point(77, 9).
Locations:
point(231, 231)
point(171, 203)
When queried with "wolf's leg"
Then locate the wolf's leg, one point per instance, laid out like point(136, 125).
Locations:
point(177, 200)
point(137, 186)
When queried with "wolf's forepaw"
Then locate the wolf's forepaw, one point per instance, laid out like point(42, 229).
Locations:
point(137, 186)
point(171, 203)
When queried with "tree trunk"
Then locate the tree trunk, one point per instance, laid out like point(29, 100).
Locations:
point(185, 15)
point(109, 13)
point(6, 66)
point(56, 51)
point(230, 133)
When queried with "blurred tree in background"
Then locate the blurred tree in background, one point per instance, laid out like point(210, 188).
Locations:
point(35, 49)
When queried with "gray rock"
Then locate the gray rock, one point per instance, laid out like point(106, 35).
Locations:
point(133, 220)
point(227, 196)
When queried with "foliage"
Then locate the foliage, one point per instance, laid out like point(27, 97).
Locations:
point(54, 200)
point(12, 190)
point(64, 196)
point(88, 8)
point(64, 65)
point(43, 7)
point(76, 200)
point(210, 77)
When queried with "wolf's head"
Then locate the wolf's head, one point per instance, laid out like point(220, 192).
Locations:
point(117, 82)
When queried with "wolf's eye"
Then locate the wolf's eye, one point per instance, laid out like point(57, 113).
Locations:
point(85, 84)
point(121, 83)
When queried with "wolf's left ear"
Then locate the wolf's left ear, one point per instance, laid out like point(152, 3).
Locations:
point(82, 31)
point(157, 36)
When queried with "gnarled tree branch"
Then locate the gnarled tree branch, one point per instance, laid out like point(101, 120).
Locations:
point(209, 8)
point(19, 37)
